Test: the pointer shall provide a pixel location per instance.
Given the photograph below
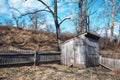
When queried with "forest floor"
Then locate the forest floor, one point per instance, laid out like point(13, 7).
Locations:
point(56, 72)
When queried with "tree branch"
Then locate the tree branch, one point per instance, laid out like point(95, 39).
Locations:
point(21, 15)
point(47, 7)
point(64, 20)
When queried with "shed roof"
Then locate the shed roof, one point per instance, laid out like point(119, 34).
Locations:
point(86, 34)
point(92, 35)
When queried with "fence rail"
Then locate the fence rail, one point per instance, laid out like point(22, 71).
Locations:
point(110, 63)
point(21, 57)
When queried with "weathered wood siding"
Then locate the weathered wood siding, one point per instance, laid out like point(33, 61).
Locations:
point(80, 51)
point(23, 57)
point(48, 57)
point(110, 63)
point(91, 50)
point(67, 56)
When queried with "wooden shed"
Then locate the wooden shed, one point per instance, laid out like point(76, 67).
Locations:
point(81, 51)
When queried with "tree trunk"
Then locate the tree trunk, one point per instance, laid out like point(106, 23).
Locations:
point(119, 36)
point(35, 28)
point(17, 23)
point(85, 15)
point(113, 16)
point(57, 24)
point(88, 23)
point(80, 20)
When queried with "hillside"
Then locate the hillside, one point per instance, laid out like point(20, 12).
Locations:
point(109, 49)
point(19, 38)
point(23, 39)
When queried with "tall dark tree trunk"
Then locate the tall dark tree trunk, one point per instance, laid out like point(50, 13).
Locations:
point(35, 26)
point(88, 23)
point(80, 20)
point(113, 16)
point(119, 36)
point(17, 23)
point(82, 5)
point(85, 16)
point(55, 16)
point(57, 24)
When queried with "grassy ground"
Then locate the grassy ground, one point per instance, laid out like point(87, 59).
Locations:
point(55, 72)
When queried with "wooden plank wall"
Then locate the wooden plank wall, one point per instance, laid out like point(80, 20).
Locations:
point(25, 56)
point(68, 53)
point(110, 63)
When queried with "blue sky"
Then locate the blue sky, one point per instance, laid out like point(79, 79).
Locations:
point(64, 10)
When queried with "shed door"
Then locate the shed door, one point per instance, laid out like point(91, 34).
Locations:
point(92, 57)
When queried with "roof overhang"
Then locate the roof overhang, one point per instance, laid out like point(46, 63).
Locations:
point(92, 35)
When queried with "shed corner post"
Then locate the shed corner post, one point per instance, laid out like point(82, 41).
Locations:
point(100, 59)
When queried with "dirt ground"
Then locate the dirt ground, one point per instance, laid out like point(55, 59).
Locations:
point(56, 72)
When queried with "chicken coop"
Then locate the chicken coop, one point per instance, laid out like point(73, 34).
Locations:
point(81, 51)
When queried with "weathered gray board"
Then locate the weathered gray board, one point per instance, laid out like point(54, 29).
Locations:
point(80, 51)
point(23, 57)
point(110, 63)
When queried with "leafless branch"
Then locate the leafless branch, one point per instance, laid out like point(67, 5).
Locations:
point(21, 14)
point(64, 20)
point(48, 7)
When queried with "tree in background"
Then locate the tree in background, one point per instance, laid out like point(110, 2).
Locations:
point(22, 23)
point(113, 2)
point(16, 19)
point(54, 13)
point(110, 12)
point(9, 22)
point(84, 11)
point(37, 19)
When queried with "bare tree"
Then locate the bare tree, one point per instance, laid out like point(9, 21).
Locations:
point(9, 22)
point(57, 20)
point(84, 11)
point(1, 20)
point(84, 21)
point(111, 10)
point(37, 18)
point(16, 19)
point(55, 16)
point(113, 17)
point(22, 23)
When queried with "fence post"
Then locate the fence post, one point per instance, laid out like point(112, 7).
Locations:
point(35, 58)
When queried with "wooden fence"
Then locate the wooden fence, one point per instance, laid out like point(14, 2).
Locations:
point(110, 63)
point(8, 57)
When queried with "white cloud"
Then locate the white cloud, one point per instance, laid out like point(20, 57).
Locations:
point(3, 7)
point(15, 3)
point(116, 24)
point(29, 5)
point(103, 32)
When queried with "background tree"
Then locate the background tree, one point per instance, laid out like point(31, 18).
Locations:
point(84, 11)
point(16, 19)
point(54, 13)
point(37, 19)
point(111, 12)
point(22, 23)
point(9, 22)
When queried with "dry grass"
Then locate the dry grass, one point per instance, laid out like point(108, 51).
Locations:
point(19, 38)
point(54, 72)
